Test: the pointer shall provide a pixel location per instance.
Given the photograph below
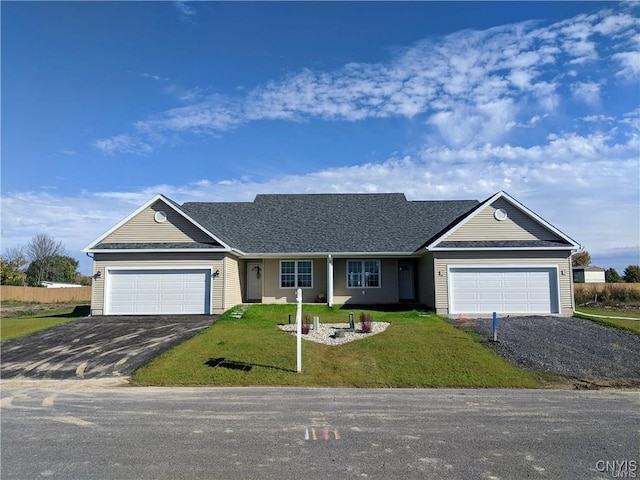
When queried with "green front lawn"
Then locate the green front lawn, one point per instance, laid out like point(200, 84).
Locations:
point(631, 325)
point(12, 327)
point(414, 351)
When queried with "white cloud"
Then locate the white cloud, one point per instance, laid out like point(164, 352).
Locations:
point(452, 80)
point(586, 185)
point(629, 63)
point(123, 144)
point(588, 92)
point(597, 118)
point(187, 12)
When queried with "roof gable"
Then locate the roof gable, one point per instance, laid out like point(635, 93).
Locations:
point(502, 222)
point(158, 224)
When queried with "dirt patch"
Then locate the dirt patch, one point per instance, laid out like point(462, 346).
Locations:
point(28, 309)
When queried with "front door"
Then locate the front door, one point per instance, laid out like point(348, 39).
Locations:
point(254, 281)
point(405, 281)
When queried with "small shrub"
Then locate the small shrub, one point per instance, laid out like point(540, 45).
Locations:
point(338, 334)
point(306, 324)
point(365, 322)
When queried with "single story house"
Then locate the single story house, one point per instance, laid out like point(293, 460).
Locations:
point(588, 275)
point(455, 257)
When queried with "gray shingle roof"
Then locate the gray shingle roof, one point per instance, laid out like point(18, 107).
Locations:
point(328, 223)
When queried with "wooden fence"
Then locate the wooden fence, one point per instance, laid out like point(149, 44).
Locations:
point(45, 295)
point(599, 287)
point(627, 293)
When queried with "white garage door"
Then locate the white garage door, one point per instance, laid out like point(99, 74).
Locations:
point(149, 292)
point(503, 290)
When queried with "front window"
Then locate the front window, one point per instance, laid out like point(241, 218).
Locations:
point(296, 274)
point(363, 273)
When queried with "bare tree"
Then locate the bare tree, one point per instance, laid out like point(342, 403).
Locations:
point(41, 251)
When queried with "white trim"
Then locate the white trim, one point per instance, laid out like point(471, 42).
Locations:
point(295, 273)
point(503, 266)
point(167, 201)
point(160, 216)
point(361, 261)
point(158, 250)
point(330, 281)
point(107, 280)
point(303, 255)
point(573, 244)
point(497, 249)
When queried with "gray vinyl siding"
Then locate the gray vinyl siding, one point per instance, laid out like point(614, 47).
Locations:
point(426, 292)
point(387, 293)
point(272, 293)
point(517, 226)
point(102, 261)
point(531, 258)
point(144, 229)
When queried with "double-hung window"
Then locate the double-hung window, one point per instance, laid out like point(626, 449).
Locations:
point(296, 274)
point(363, 273)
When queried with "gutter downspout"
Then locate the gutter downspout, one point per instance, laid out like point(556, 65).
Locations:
point(330, 280)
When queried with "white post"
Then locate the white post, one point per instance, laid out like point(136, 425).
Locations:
point(299, 330)
point(330, 281)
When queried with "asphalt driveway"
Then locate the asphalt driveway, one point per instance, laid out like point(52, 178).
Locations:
point(569, 346)
point(97, 347)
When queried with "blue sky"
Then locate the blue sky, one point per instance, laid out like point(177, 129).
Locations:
point(105, 104)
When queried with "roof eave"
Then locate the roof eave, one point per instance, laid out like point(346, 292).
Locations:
point(156, 250)
point(459, 249)
point(326, 254)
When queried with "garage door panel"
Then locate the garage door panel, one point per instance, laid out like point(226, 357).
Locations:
point(491, 295)
point(147, 292)
point(172, 297)
point(514, 284)
point(515, 296)
point(503, 290)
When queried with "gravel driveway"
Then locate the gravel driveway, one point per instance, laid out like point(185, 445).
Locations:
point(568, 346)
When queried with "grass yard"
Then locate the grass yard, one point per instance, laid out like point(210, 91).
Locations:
point(631, 325)
point(414, 351)
point(17, 326)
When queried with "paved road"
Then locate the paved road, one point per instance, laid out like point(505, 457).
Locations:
point(95, 347)
point(295, 433)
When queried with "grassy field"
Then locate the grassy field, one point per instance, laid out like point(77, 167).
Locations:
point(414, 351)
point(632, 325)
point(17, 326)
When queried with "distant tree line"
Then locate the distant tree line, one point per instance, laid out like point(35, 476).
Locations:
point(631, 272)
point(42, 259)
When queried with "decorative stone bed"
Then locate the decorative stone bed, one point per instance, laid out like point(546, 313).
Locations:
point(326, 332)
